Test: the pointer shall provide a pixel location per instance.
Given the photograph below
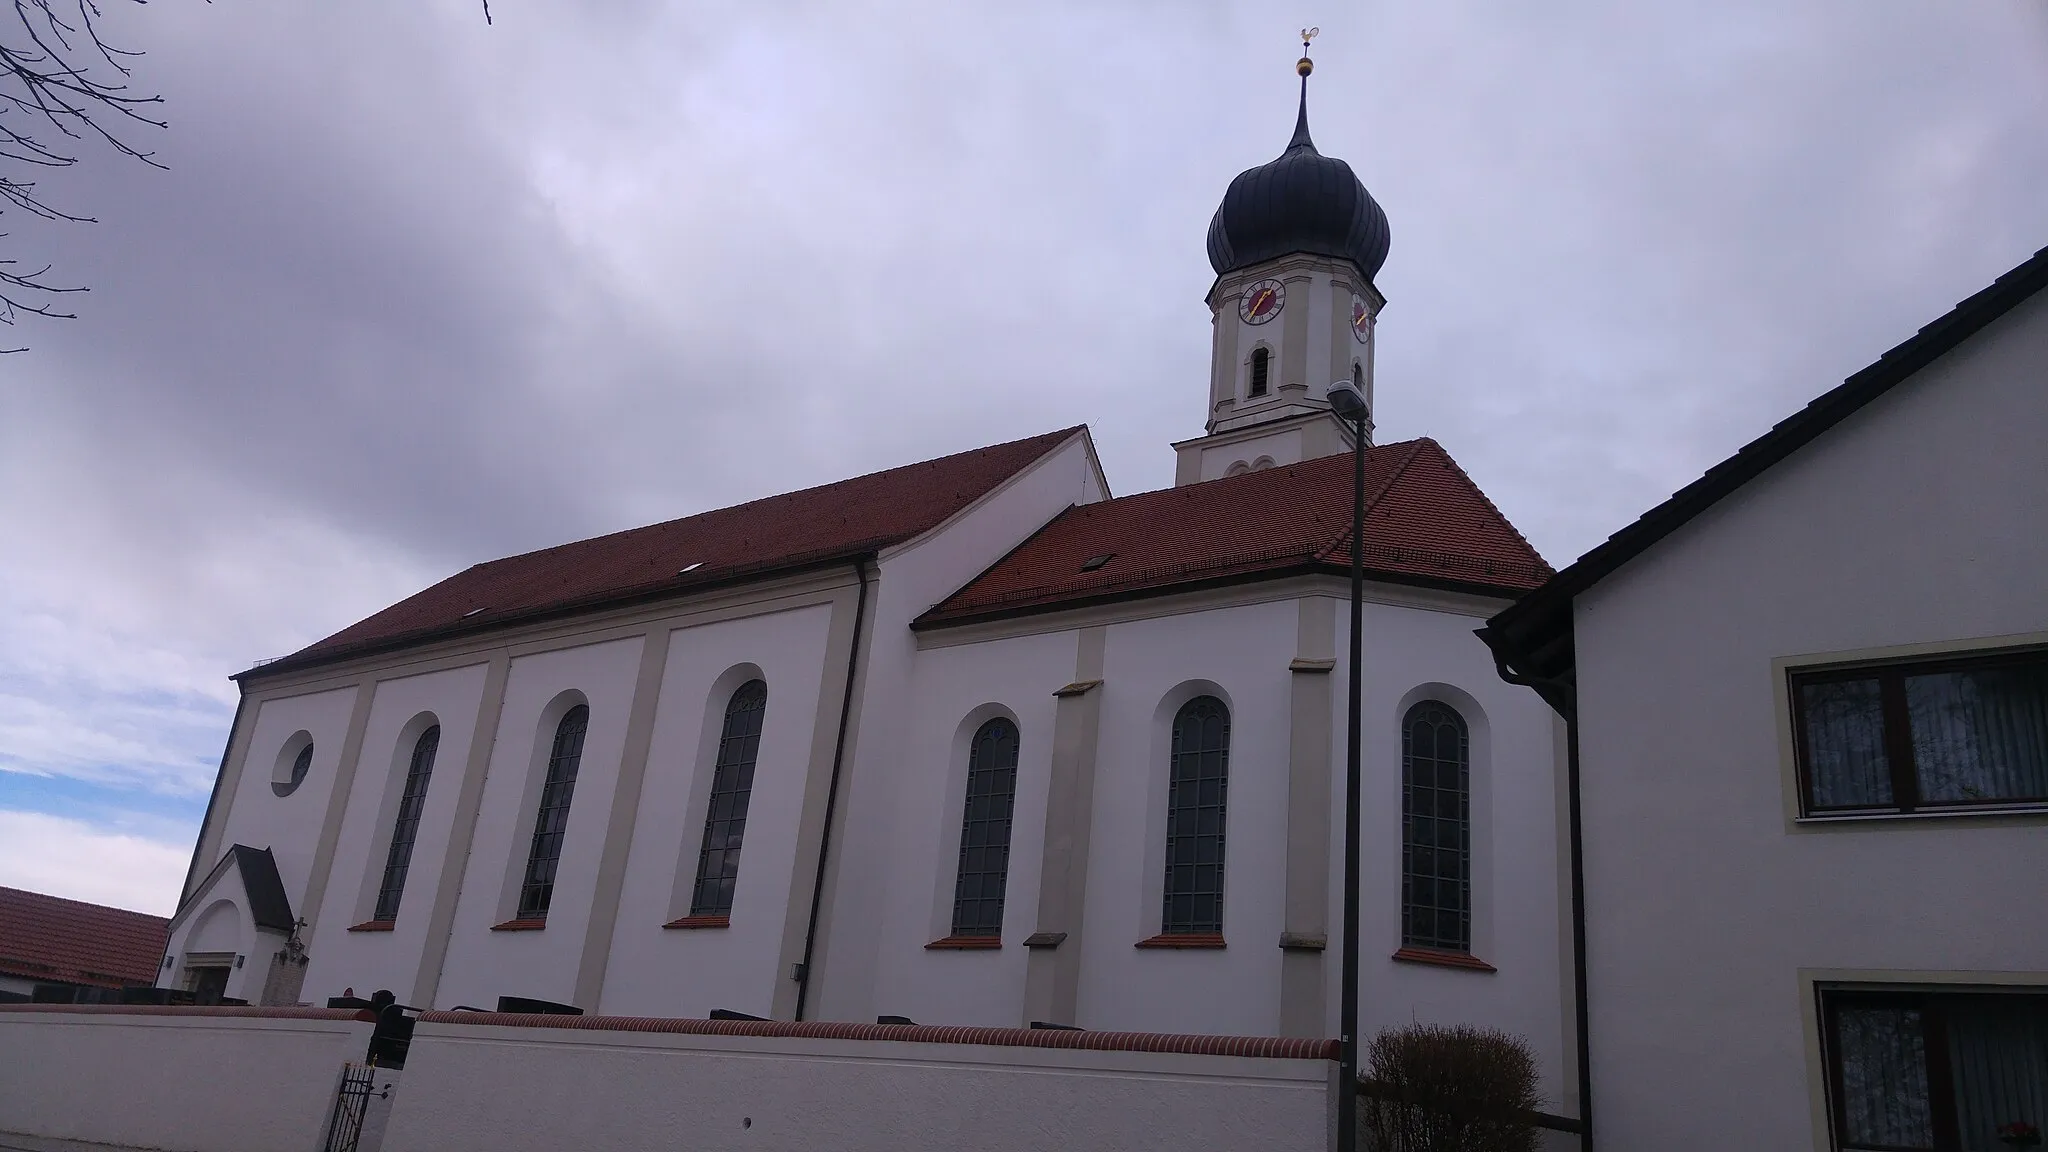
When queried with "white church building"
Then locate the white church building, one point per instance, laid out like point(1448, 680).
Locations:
point(969, 741)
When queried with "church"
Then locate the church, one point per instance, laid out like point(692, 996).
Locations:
point(969, 741)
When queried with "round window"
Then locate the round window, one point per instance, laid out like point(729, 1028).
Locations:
point(294, 760)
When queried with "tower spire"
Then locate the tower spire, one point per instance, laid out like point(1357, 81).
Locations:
point(1304, 66)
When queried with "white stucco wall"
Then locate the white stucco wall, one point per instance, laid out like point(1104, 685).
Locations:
point(185, 1082)
point(482, 965)
point(401, 711)
point(1917, 520)
point(287, 825)
point(1411, 655)
point(956, 690)
point(512, 1089)
point(687, 972)
point(911, 579)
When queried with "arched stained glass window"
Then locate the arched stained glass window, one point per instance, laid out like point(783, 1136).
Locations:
point(538, 889)
point(1195, 792)
point(1436, 829)
point(725, 817)
point(399, 859)
point(1261, 362)
point(985, 830)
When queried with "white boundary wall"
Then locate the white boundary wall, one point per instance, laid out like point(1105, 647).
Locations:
point(186, 1079)
point(513, 1088)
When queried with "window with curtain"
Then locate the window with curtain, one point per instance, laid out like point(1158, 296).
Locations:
point(985, 830)
point(407, 826)
point(537, 890)
point(1934, 1071)
point(725, 817)
point(1261, 361)
point(1197, 782)
point(1962, 731)
point(1436, 829)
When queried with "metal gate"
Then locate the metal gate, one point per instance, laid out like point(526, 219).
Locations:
point(351, 1103)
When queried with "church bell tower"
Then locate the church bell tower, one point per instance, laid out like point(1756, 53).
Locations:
point(1295, 245)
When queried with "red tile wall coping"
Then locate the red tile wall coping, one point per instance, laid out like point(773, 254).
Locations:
point(1261, 1047)
point(232, 1011)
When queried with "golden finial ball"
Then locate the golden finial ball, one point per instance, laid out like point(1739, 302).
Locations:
point(1305, 67)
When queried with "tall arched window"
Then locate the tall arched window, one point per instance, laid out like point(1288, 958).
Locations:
point(1196, 782)
point(1436, 829)
point(1261, 358)
point(399, 859)
point(725, 817)
point(985, 830)
point(538, 889)
point(1358, 377)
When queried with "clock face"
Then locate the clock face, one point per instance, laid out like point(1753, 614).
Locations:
point(1361, 320)
point(1262, 301)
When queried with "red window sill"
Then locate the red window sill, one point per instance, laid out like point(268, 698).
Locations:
point(374, 926)
point(1443, 959)
point(1203, 940)
point(700, 922)
point(967, 943)
point(529, 925)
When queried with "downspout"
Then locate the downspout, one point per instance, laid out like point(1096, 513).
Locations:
point(1569, 694)
point(213, 797)
point(860, 613)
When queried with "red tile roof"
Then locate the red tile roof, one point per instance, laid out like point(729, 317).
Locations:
point(779, 533)
point(1426, 523)
point(68, 942)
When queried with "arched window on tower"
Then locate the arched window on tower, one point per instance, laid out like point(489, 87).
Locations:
point(732, 786)
point(537, 889)
point(985, 830)
point(1436, 829)
point(399, 859)
point(1261, 359)
point(1358, 377)
point(1195, 792)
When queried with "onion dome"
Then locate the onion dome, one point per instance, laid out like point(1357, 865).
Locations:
point(1302, 202)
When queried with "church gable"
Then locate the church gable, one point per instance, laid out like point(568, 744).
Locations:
point(1427, 523)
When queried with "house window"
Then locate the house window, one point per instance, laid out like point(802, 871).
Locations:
point(538, 889)
point(985, 830)
point(1260, 359)
point(408, 825)
point(1958, 732)
point(1933, 1071)
point(1196, 784)
point(732, 783)
point(1436, 829)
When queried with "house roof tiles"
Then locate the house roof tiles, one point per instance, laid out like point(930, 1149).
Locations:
point(779, 533)
point(1426, 523)
point(70, 942)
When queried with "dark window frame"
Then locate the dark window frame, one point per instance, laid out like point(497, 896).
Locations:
point(725, 809)
point(1189, 767)
point(551, 819)
point(1413, 875)
point(1261, 372)
point(405, 828)
point(985, 827)
point(1934, 1006)
point(1899, 756)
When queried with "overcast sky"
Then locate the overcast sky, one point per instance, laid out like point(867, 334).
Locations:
point(417, 292)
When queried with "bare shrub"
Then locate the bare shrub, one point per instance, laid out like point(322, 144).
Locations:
point(1430, 1088)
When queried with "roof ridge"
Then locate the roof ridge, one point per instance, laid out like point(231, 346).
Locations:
point(1373, 499)
point(1055, 437)
point(1486, 500)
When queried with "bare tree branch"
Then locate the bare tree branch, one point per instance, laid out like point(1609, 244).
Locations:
point(62, 88)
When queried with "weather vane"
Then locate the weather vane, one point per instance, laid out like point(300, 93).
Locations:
point(1306, 65)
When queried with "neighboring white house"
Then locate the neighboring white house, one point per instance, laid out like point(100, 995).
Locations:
point(998, 748)
point(1810, 701)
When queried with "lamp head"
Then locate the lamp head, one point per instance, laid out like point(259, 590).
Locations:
point(1346, 401)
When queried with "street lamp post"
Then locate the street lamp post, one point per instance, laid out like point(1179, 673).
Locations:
point(1350, 406)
